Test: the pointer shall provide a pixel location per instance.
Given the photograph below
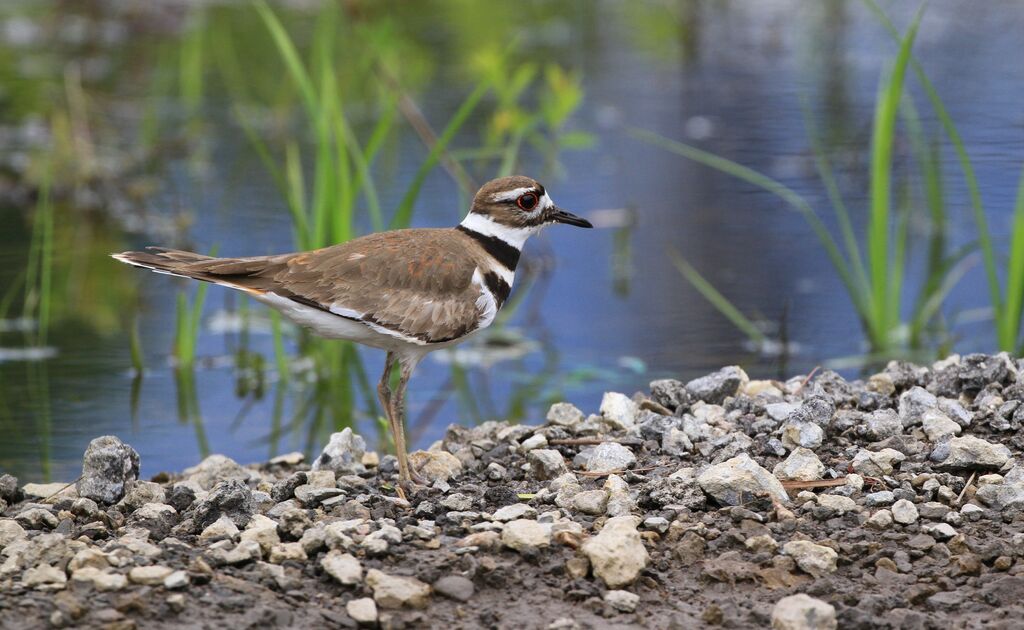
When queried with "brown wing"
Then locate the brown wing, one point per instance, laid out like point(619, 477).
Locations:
point(415, 282)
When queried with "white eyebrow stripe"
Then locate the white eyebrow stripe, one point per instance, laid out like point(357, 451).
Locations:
point(546, 202)
point(510, 195)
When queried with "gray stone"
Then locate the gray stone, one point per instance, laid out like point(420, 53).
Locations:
point(343, 453)
point(881, 424)
point(609, 456)
point(735, 481)
point(37, 518)
point(149, 575)
point(837, 504)
point(564, 414)
point(670, 393)
point(1009, 493)
point(717, 386)
point(513, 512)
point(157, 518)
point(44, 577)
point(939, 531)
point(546, 464)
point(623, 601)
point(913, 403)
point(455, 587)
point(176, 580)
point(109, 467)
point(675, 442)
point(141, 493)
point(10, 531)
point(877, 463)
point(213, 470)
point(232, 499)
point(879, 499)
point(970, 453)
point(617, 554)
point(803, 612)
point(801, 465)
point(8, 488)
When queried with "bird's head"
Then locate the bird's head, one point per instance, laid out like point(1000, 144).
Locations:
point(519, 205)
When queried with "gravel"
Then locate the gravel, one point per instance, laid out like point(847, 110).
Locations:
point(710, 502)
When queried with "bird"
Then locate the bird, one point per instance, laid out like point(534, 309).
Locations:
point(408, 292)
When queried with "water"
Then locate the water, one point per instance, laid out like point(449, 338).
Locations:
point(725, 76)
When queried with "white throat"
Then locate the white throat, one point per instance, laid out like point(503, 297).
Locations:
point(514, 236)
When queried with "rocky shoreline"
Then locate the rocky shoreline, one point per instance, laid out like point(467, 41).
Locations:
point(892, 501)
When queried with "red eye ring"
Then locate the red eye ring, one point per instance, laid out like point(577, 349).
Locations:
point(527, 201)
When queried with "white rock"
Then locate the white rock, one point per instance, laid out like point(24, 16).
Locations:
point(622, 600)
point(734, 481)
point(937, 425)
point(617, 553)
point(262, 530)
point(877, 463)
point(803, 612)
point(904, 512)
point(149, 575)
point(343, 567)
point(801, 465)
point(343, 453)
point(393, 591)
point(52, 491)
point(435, 465)
point(913, 403)
point(818, 560)
point(537, 440)
point(44, 577)
point(619, 410)
point(176, 580)
point(10, 532)
point(282, 552)
point(525, 533)
point(223, 527)
point(609, 456)
point(515, 511)
point(363, 611)
point(805, 434)
point(837, 503)
point(215, 469)
point(546, 464)
point(592, 502)
point(100, 580)
point(939, 531)
point(564, 414)
point(881, 519)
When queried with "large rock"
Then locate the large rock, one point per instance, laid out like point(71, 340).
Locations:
point(803, 612)
point(619, 410)
point(524, 533)
point(564, 415)
point(109, 467)
point(801, 465)
point(157, 518)
point(213, 470)
point(435, 465)
point(1008, 493)
point(717, 386)
point(546, 464)
point(343, 453)
point(609, 456)
point(818, 560)
point(737, 480)
point(343, 567)
point(970, 453)
point(876, 463)
point(10, 531)
point(393, 591)
point(914, 403)
point(231, 499)
point(617, 553)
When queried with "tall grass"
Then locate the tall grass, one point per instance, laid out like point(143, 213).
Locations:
point(873, 278)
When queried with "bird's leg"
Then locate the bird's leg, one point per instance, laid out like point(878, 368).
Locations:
point(387, 401)
point(398, 402)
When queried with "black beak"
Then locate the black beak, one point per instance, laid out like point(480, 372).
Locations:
point(561, 216)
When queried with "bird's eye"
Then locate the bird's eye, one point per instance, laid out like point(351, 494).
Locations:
point(527, 201)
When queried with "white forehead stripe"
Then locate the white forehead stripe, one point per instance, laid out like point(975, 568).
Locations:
point(510, 195)
point(514, 236)
point(545, 202)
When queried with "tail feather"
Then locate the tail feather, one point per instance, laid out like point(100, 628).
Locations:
point(236, 273)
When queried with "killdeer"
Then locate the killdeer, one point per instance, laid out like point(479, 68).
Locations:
point(408, 292)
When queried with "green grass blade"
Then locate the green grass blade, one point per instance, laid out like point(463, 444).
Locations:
point(1009, 323)
point(719, 301)
point(290, 56)
point(879, 222)
point(974, 190)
